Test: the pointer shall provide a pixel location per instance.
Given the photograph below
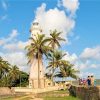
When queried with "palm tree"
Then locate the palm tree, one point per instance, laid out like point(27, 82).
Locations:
point(4, 67)
point(67, 70)
point(54, 41)
point(36, 49)
point(14, 75)
point(56, 62)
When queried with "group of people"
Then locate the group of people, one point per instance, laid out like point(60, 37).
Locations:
point(89, 81)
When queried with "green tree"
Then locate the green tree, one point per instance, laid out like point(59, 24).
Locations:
point(67, 70)
point(56, 62)
point(14, 75)
point(11, 75)
point(4, 67)
point(23, 81)
point(54, 41)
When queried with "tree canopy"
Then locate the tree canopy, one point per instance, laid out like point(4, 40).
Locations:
point(11, 75)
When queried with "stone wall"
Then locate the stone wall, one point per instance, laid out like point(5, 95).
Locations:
point(86, 93)
point(31, 90)
point(5, 91)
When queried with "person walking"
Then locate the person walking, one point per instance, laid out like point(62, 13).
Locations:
point(89, 81)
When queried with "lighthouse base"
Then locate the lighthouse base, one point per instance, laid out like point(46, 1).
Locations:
point(35, 84)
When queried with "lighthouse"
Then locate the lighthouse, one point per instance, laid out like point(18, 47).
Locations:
point(36, 73)
point(35, 29)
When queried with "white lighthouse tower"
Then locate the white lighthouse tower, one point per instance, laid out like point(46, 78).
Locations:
point(35, 29)
point(33, 77)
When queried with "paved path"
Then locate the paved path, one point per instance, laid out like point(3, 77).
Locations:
point(30, 96)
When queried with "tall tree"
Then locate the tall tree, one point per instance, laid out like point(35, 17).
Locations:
point(56, 62)
point(36, 49)
point(54, 41)
point(4, 67)
point(14, 75)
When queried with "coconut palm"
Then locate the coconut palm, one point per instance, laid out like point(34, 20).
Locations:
point(36, 49)
point(54, 41)
point(57, 62)
point(4, 67)
point(67, 70)
point(14, 75)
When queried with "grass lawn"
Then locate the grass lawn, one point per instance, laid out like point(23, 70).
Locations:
point(54, 95)
point(60, 98)
point(57, 95)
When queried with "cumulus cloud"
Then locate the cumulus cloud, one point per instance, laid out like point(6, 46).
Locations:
point(15, 50)
point(86, 67)
point(71, 57)
point(81, 64)
point(16, 58)
point(85, 74)
point(70, 5)
point(54, 19)
point(11, 43)
point(17, 46)
point(74, 59)
point(91, 53)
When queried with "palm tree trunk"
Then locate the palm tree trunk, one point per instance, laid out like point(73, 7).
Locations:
point(53, 67)
point(38, 70)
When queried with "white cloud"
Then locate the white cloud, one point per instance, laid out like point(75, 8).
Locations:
point(79, 63)
point(10, 38)
point(2, 42)
point(70, 5)
point(16, 58)
point(94, 66)
point(17, 46)
point(13, 50)
point(13, 34)
point(72, 58)
point(91, 53)
point(54, 19)
point(85, 74)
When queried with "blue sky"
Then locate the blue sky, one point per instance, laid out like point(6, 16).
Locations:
point(81, 26)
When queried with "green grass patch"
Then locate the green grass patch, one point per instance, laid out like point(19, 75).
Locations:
point(61, 98)
point(53, 95)
point(56, 95)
